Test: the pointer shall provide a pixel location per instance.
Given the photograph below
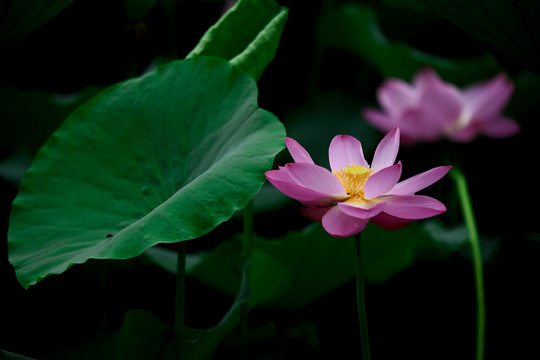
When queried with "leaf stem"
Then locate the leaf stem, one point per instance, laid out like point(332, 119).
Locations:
point(360, 298)
point(246, 255)
point(179, 328)
point(463, 193)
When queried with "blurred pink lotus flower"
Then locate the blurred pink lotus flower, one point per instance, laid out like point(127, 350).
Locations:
point(353, 193)
point(430, 109)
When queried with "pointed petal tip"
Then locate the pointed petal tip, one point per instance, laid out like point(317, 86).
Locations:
point(426, 72)
point(298, 153)
point(343, 137)
point(269, 174)
point(386, 152)
point(414, 207)
point(420, 181)
point(378, 119)
point(504, 79)
point(394, 132)
point(443, 170)
point(289, 140)
point(425, 77)
point(501, 128)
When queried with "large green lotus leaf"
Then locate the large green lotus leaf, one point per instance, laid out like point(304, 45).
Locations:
point(21, 17)
point(354, 28)
point(305, 265)
point(510, 27)
point(163, 158)
point(247, 35)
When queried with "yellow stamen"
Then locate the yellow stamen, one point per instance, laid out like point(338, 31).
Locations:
point(353, 178)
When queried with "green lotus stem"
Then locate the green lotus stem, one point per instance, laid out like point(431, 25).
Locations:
point(179, 328)
point(246, 254)
point(360, 298)
point(463, 193)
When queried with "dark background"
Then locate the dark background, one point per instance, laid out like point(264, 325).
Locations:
point(424, 312)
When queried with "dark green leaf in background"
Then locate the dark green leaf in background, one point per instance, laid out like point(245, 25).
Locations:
point(510, 27)
point(163, 158)
point(449, 238)
point(142, 336)
point(316, 123)
point(20, 17)
point(30, 117)
point(303, 266)
point(202, 342)
point(355, 29)
point(386, 253)
point(247, 35)
point(136, 10)
point(7, 355)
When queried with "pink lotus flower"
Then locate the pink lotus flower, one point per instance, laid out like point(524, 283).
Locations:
point(430, 109)
point(353, 193)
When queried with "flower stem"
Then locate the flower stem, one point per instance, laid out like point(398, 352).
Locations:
point(246, 254)
point(463, 193)
point(360, 298)
point(179, 328)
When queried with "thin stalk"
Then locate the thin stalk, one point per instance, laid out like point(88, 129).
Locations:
point(179, 328)
point(246, 254)
point(463, 193)
point(360, 299)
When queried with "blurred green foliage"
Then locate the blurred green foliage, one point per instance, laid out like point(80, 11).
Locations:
point(20, 18)
point(508, 27)
point(332, 55)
